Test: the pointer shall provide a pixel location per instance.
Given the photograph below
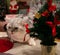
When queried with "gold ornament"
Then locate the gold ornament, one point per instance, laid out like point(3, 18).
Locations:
point(37, 15)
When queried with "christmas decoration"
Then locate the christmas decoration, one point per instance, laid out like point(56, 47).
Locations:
point(13, 6)
point(45, 26)
point(37, 15)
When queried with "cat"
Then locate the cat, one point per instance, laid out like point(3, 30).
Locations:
point(17, 32)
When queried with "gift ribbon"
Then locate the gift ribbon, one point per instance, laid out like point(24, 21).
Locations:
point(53, 27)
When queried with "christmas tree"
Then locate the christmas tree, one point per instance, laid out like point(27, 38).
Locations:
point(3, 9)
point(45, 25)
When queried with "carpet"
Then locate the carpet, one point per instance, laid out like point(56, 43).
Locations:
point(24, 49)
point(5, 54)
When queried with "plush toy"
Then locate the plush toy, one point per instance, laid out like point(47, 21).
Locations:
point(13, 6)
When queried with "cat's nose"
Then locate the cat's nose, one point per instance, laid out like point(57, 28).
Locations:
point(12, 31)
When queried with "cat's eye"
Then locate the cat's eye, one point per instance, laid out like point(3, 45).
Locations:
point(15, 29)
point(9, 27)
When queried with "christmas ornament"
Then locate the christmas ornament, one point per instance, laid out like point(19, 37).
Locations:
point(52, 8)
point(13, 6)
point(53, 27)
point(54, 31)
point(37, 15)
point(45, 13)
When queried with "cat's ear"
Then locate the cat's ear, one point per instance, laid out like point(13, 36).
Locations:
point(5, 27)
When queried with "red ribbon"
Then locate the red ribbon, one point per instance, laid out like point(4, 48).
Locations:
point(54, 31)
point(45, 13)
point(27, 30)
point(52, 8)
point(53, 27)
